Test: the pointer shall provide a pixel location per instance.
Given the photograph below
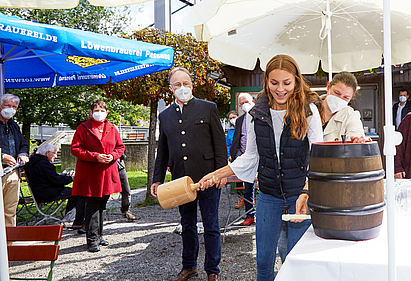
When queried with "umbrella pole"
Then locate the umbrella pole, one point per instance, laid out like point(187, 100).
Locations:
point(1, 69)
point(4, 264)
point(328, 28)
point(389, 146)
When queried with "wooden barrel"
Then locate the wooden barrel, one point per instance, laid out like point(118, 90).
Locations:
point(346, 190)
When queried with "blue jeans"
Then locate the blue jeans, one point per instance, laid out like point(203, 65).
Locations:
point(248, 194)
point(208, 201)
point(268, 227)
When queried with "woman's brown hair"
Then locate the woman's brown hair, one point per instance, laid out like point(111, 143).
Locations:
point(297, 103)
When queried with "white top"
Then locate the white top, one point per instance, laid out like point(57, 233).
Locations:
point(347, 122)
point(245, 166)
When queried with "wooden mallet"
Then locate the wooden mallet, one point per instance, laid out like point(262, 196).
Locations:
point(178, 192)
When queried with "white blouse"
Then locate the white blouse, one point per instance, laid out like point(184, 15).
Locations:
point(245, 166)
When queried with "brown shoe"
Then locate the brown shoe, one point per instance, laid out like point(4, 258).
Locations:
point(186, 274)
point(212, 277)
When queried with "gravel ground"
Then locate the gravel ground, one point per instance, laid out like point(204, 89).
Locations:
point(148, 248)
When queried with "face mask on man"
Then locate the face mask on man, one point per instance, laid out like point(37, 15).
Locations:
point(8, 113)
point(247, 106)
point(232, 121)
point(403, 98)
point(335, 103)
point(183, 94)
point(99, 116)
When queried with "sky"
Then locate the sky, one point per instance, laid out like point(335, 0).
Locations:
point(146, 17)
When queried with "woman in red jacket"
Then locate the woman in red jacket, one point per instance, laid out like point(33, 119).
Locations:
point(97, 145)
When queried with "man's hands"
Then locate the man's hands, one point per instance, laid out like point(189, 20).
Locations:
point(105, 158)
point(153, 188)
point(23, 159)
point(9, 160)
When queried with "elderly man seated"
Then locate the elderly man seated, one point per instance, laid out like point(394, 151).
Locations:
point(47, 185)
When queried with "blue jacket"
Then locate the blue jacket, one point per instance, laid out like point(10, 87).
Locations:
point(229, 139)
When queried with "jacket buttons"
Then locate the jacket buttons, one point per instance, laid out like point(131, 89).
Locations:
point(180, 121)
point(183, 145)
point(185, 158)
point(183, 132)
point(177, 109)
point(302, 167)
point(201, 121)
point(278, 176)
point(262, 118)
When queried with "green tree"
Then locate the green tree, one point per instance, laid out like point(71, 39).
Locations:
point(69, 105)
point(149, 89)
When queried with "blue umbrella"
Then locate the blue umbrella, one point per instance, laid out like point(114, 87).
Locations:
point(41, 55)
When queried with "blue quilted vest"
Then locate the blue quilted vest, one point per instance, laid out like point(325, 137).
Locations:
point(288, 178)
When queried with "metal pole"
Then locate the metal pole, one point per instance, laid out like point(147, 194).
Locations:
point(4, 264)
point(1, 69)
point(389, 146)
point(328, 28)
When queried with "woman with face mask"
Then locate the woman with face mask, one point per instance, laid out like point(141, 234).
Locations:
point(341, 119)
point(97, 145)
point(285, 120)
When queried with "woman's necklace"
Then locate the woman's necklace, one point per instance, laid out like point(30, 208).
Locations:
point(279, 118)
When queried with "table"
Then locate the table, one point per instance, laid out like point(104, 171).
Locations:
point(315, 259)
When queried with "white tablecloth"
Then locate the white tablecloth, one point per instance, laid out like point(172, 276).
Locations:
point(318, 259)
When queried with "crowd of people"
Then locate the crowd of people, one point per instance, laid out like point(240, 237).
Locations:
point(271, 141)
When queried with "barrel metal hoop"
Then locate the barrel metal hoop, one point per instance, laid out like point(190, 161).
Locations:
point(347, 211)
point(347, 177)
point(348, 150)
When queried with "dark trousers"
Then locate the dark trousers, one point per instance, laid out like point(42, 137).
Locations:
point(125, 191)
point(208, 201)
point(95, 207)
point(73, 201)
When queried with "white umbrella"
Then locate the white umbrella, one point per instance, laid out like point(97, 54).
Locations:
point(63, 4)
point(358, 34)
point(241, 31)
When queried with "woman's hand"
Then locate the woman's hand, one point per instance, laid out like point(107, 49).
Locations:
point(360, 139)
point(105, 158)
point(301, 206)
point(207, 181)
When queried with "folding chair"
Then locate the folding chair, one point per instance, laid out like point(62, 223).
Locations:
point(52, 210)
point(234, 179)
point(49, 210)
point(34, 252)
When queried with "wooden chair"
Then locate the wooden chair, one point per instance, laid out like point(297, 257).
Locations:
point(34, 252)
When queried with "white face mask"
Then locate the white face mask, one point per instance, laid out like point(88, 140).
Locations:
point(99, 116)
point(8, 113)
point(183, 94)
point(335, 103)
point(403, 98)
point(232, 121)
point(247, 106)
